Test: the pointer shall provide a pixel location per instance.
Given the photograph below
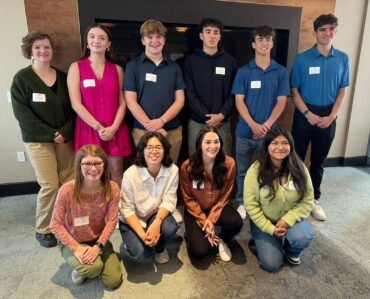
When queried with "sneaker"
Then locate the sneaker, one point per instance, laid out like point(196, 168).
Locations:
point(293, 260)
point(77, 278)
point(317, 211)
point(224, 251)
point(46, 240)
point(162, 257)
point(177, 215)
point(242, 212)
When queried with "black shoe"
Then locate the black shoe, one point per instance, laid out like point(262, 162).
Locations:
point(252, 247)
point(46, 240)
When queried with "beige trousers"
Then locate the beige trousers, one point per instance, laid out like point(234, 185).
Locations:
point(174, 137)
point(53, 164)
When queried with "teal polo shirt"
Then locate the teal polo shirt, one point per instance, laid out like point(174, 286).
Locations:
point(318, 78)
point(261, 89)
point(155, 86)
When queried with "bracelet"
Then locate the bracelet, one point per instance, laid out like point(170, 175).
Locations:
point(97, 126)
point(306, 112)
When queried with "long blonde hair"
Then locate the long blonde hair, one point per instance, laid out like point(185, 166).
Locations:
point(94, 151)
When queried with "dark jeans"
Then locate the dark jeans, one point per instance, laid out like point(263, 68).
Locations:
point(134, 248)
point(321, 139)
point(229, 223)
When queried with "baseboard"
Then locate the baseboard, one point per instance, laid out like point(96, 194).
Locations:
point(19, 188)
point(341, 161)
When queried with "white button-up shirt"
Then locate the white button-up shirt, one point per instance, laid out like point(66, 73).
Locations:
point(142, 195)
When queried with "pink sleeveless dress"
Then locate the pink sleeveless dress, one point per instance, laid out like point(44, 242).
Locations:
point(101, 99)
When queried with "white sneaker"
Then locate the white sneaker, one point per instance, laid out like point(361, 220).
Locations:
point(242, 212)
point(224, 251)
point(162, 258)
point(293, 260)
point(317, 211)
point(77, 278)
point(177, 215)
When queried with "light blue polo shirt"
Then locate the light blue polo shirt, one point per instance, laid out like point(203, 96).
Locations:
point(261, 89)
point(319, 78)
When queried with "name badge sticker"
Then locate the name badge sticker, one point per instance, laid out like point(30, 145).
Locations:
point(314, 70)
point(220, 70)
point(195, 185)
point(291, 186)
point(80, 221)
point(255, 84)
point(89, 83)
point(150, 77)
point(38, 97)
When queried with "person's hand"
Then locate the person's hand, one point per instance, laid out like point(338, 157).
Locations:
point(163, 132)
point(107, 133)
point(154, 125)
point(214, 119)
point(58, 138)
point(282, 224)
point(259, 131)
point(313, 119)
point(79, 253)
point(279, 232)
point(153, 233)
point(210, 233)
point(325, 122)
point(90, 254)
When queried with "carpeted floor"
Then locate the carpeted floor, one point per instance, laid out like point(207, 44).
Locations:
point(337, 265)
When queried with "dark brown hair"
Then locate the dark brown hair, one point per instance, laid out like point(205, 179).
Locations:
point(322, 20)
point(263, 31)
point(29, 39)
point(86, 51)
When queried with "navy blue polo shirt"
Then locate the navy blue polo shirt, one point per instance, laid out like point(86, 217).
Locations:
point(261, 89)
point(318, 78)
point(155, 86)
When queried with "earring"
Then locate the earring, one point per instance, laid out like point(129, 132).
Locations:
point(87, 46)
point(108, 49)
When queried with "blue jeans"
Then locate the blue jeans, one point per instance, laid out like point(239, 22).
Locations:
point(245, 148)
point(271, 249)
point(135, 249)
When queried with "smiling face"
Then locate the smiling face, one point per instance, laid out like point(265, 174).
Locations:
point(210, 36)
point(210, 146)
point(153, 44)
point(42, 51)
point(279, 149)
point(325, 35)
point(262, 45)
point(98, 40)
point(153, 152)
point(92, 168)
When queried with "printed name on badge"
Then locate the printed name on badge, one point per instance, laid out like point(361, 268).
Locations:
point(80, 221)
point(150, 77)
point(220, 70)
point(255, 84)
point(89, 83)
point(201, 186)
point(38, 97)
point(314, 70)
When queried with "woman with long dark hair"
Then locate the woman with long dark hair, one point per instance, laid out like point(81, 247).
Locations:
point(278, 197)
point(95, 88)
point(148, 199)
point(207, 181)
point(84, 218)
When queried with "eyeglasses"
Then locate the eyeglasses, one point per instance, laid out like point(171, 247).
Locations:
point(89, 165)
point(151, 148)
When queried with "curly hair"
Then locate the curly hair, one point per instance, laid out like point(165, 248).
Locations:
point(86, 51)
point(322, 20)
point(95, 151)
point(263, 31)
point(29, 39)
point(219, 169)
point(140, 159)
point(291, 164)
point(152, 27)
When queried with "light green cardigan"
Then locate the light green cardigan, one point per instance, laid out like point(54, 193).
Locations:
point(286, 205)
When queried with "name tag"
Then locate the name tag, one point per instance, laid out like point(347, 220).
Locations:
point(150, 77)
point(195, 185)
point(291, 186)
point(80, 221)
point(38, 97)
point(255, 84)
point(220, 70)
point(89, 83)
point(314, 70)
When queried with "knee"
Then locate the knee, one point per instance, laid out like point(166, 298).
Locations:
point(302, 240)
point(169, 227)
point(93, 270)
point(114, 279)
point(271, 264)
point(198, 251)
point(133, 251)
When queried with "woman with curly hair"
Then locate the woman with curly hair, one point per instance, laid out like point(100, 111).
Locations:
point(207, 181)
point(278, 196)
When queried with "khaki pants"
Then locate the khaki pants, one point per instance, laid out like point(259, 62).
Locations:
point(174, 137)
point(53, 164)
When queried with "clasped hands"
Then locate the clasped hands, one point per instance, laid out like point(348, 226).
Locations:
point(155, 125)
point(281, 228)
point(152, 234)
point(106, 133)
point(210, 234)
point(322, 122)
point(86, 254)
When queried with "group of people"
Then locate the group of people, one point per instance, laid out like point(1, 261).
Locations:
point(76, 138)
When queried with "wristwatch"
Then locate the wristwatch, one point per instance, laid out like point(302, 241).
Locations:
point(306, 112)
point(100, 246)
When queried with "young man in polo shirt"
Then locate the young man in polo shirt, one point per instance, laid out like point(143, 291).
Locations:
point(154, 89)
point(208, 75)
point(261, 88)
point(319, 79)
